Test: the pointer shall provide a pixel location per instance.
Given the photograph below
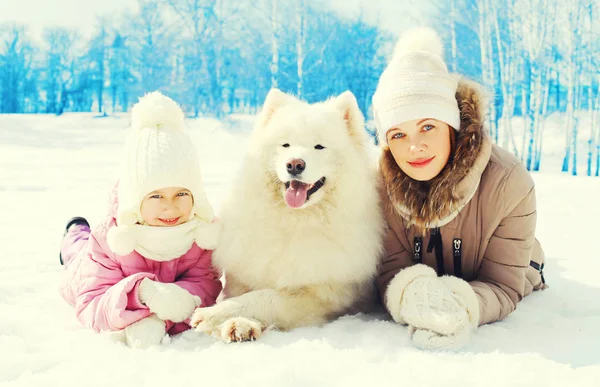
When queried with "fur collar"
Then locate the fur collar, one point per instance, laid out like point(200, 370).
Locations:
point(436, 202)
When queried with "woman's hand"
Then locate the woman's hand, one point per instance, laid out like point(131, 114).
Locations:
point(441, 312)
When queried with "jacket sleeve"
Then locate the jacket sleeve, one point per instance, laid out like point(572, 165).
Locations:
point(202, 280)
point(500, 282)
point(106, 299)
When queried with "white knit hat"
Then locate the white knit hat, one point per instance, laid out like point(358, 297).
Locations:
point(416, 84)
point(158, 154)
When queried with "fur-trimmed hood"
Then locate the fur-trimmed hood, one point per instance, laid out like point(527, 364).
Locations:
point(434, 203)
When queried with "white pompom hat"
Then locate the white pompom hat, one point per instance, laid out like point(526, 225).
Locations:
point(158, 154)
point(416, 84)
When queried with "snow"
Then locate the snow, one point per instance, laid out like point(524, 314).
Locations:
point(57, 167)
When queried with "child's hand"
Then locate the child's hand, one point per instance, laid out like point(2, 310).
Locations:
point(168, 301)
point(145, 332)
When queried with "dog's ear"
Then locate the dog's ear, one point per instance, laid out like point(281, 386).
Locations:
point(346, 103)
point(274, 100)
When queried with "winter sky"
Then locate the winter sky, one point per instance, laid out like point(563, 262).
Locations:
point(78, 14)
point(37, 14)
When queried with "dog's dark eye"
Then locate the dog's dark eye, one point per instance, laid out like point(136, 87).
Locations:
point(286, 145)
point(319, 146)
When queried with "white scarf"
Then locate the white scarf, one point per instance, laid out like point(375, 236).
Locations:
point(165, 243)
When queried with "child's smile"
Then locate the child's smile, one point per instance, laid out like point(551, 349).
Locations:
point(167, 207)
point(170, 221)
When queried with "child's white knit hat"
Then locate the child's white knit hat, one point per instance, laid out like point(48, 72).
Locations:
point(158, 154)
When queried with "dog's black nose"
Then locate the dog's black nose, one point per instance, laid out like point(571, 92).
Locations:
point(295, 166)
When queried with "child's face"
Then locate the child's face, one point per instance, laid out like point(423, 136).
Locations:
point(167, 207)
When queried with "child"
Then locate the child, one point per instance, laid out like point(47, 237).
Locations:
point(147, 266)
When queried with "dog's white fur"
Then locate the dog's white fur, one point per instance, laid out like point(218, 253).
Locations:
point(287, 267)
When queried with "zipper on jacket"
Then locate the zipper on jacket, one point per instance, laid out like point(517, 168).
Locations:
point(418, 245)
point(539, 268)
point(457, 248)
point(435, 243)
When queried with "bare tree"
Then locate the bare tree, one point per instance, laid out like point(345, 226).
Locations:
point(16, 63)
point(60, 62)
point(150, 40)
point(206, 23)
point(506, 49)
point(97, 56)
point(300, 43)
point(274, 45)
point(533, 18)
point(571, 35)
point(593, 71)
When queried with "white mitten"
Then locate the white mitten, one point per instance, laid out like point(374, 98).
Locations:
point(429, 304)
point(145, 332)
point(441, 312)
point(466, 318)
point(208, 234)
point(426, 339)
point(167, 300)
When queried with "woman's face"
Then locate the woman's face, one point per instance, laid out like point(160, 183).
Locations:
point(420, 147)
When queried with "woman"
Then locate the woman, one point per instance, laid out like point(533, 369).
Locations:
point(460, 249)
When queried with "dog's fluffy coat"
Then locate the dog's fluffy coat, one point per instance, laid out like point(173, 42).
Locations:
point(288, 267)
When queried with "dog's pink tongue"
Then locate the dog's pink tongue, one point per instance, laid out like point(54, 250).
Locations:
point(295, 195)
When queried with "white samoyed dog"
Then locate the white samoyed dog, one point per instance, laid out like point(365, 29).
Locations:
point(302, 228)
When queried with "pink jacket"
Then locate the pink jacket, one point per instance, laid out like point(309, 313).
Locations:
point(103, 286)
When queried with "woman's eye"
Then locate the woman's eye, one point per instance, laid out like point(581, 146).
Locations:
point(398, 135)
point(155, 197)
point(183, 193)
point(319, 147)
point(428, 127)
point(286, 145)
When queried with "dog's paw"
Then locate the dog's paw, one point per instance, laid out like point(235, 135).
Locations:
point(197, 317)
point(204, 320)
point(208, 320)
point(239, 329)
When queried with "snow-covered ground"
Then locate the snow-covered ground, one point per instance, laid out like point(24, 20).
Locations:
point(52, 168)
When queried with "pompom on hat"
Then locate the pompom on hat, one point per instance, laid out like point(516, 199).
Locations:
point(416, 84)
point(157, 154)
